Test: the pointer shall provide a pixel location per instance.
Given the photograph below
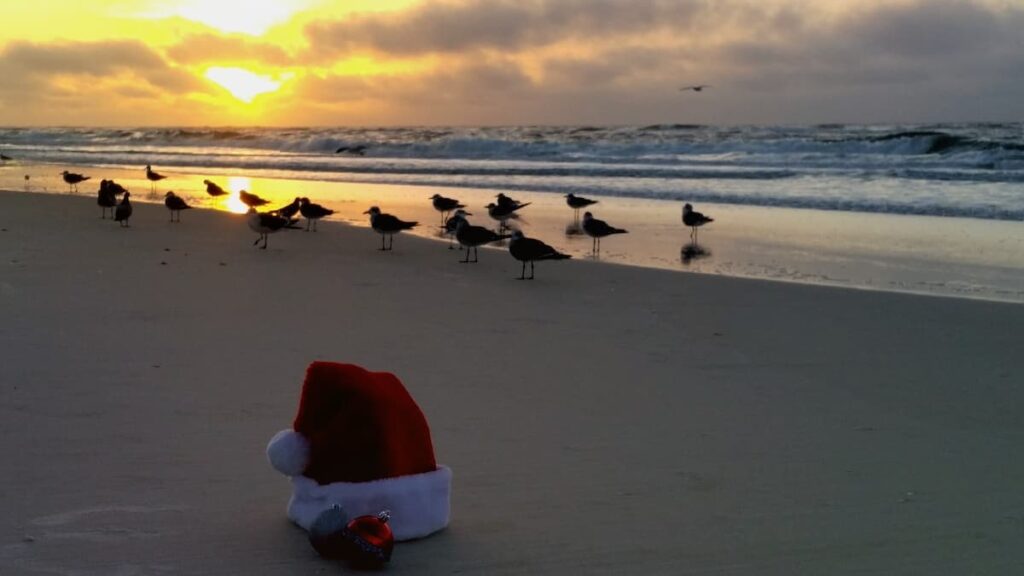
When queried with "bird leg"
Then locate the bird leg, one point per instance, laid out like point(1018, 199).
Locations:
point(531, 269)
point(258, 238)
point(522, 275)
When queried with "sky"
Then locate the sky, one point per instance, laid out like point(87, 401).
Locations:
point(509, 62)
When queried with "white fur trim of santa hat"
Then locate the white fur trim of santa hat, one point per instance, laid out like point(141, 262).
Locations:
point(420, 504)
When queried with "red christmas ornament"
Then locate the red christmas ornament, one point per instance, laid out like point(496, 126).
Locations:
point(370, 539)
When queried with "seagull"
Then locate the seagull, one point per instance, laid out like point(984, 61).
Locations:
point(694, 220)
point(153, 177)
point(697, 88)
point(312, 212)
point(576, 202)
point(452, 224)
point(474, 236)
point(531, 250)
point(213, 189)
point(5, 157)
point(265, 224)
point(387, 226)
point(123, 211)
point(598, 229)
point(504, 213)
point(106, 198)
point(359, 150)
point(73, 179)
point(175, 204)
point(507, 202)
point(251, 200)
point(445, 205)
point(115, 188)
point(290, 210)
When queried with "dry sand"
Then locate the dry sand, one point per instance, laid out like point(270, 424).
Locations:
point(600, 419)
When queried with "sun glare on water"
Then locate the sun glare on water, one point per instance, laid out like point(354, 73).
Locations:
point(241, 83)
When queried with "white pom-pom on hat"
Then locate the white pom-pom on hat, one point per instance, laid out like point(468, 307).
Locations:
point(288, 452)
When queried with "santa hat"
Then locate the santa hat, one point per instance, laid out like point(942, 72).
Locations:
point(361, 442)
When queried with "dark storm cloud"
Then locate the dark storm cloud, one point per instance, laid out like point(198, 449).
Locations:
point(444, 27)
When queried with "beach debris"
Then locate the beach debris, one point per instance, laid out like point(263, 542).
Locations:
point(598, 229)
point(175, 204)
point(387, 226)
point(153, 178)
point(472, 237)
point(312, 212)
point(445, 206)
point(694, 220)
point(123, 211)
point(531, 250)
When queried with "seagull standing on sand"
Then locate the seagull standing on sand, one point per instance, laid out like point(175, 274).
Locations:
point(153, 178)
point(289, 210)
point(694, 220)
point(175, 204)
point(504, 213)
point(576, 202)
point(531, 250)
point(445, 205)
point(251, 200)
point(312, 212)
point(452, 224)
point(213, 189)
point(265, 224)
point(106, 199)
point(474, 236)
point(598, 229)
point(387, 226)
point(123, 211)
point(507, 202)
point(73, 180)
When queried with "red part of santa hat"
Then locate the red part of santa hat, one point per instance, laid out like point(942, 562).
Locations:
point(359, 440)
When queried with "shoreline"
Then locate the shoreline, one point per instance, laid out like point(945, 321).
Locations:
point(955, 257)
point(606, 419)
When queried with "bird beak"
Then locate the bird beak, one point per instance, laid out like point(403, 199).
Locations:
point(367, 212)
point(468, 213)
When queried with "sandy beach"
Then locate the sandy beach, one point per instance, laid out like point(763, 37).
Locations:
point(600, 419)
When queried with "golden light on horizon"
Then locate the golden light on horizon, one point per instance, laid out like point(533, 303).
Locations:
point(241, 83)
point(234, 203)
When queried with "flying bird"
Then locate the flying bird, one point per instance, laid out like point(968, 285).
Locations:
point(531, 250)
point(123, 211)
point(359, 150)
point(598, 229)
point(696, 88)
point(251, 200)
point(153, 177)
point(475, 236)
point(213, 189)
point(694, 220)
point(445, 205)
point(312, 212)
point(73, 180)
point(387, 226)
point(175, 204)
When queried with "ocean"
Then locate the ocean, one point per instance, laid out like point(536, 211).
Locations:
point(951, 170)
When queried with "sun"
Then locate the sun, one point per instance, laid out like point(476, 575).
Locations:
point(241, 83)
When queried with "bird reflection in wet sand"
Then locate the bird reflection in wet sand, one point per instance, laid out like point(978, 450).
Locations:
point(692, 251)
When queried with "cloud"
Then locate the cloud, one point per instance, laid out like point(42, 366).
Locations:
point(222, 50)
